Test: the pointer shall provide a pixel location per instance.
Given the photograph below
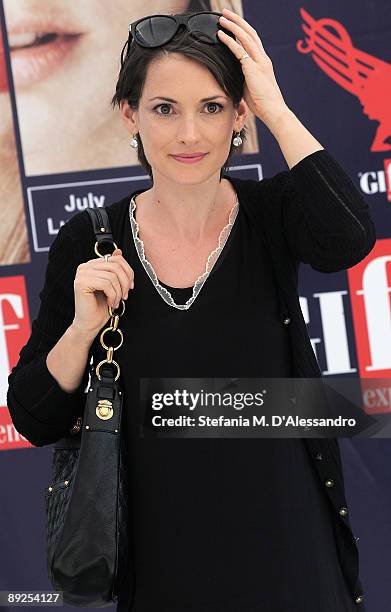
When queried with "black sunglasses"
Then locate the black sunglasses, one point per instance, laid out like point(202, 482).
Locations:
point(157, 30)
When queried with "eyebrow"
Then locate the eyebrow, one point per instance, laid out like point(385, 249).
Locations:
point(175, 101)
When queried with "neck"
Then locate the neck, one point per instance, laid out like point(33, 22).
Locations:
point(188, 212)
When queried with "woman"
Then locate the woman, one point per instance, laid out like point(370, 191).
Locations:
point(208, 269)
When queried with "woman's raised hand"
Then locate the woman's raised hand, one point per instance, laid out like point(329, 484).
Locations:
point(99, 284)
point(261, 91)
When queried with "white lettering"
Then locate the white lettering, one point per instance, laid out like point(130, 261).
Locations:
point(82, 202)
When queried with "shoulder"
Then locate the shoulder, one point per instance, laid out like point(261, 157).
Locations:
point(264, 196)
point(312, 169)
point(251, 189)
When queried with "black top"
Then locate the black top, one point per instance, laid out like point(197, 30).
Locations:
point(311, 213)
point(222, 524)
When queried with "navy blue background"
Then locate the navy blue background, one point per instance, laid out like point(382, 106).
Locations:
point(336, 119)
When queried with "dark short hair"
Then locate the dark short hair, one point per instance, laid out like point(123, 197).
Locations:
point(218, 58)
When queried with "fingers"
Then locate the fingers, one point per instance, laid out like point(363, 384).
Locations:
point(117, 256)
point(108, 283)
point(230, 15)
point(116, 276)
point(114, 269)
point(118, 264)
point(243, 31)
point(242, 42)
point(91, 281)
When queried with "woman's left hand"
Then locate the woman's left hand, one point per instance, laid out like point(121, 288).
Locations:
point(261, 91)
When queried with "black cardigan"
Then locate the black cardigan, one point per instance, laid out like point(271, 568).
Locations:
point(311, 213)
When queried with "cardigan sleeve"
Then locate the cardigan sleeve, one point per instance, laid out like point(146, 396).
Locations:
point(40, 409)
point(326, 221)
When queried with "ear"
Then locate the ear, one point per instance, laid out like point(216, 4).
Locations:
point(241, 115)
point(129, 116)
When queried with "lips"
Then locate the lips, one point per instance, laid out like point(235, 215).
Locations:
point(38, 48)
point(187, 159)
point(186, 155)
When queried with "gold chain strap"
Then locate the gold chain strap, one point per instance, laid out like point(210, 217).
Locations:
point(113, 326)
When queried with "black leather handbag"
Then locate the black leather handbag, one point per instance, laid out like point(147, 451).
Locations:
point(86, 504)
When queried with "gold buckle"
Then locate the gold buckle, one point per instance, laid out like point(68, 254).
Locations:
point(104, 409)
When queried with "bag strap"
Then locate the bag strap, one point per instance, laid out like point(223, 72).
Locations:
point(101, 226)
point(103, 233)
point(106, 383)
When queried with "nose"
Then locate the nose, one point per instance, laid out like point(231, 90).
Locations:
point(188, 131)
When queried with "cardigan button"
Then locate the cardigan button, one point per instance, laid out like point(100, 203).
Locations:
point(319, 456)
point(343, 511)
point(287, 320)
point(329, 482)
point(359, 599)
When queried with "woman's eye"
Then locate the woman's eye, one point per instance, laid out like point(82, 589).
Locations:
point(208, 104)
point(159, 106)
point(216, 105)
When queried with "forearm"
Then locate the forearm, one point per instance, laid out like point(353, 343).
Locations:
point(68, 358)
point(294, 140)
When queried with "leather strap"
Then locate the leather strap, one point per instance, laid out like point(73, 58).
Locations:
point(101, 225)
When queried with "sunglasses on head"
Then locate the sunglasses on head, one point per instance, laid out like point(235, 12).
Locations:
point(157, 30)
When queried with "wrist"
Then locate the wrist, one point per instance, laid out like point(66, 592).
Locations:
point(281, 121)
point(80, 337)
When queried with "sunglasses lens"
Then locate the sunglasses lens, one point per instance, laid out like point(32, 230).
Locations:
point(205, 27)
point(155, 31)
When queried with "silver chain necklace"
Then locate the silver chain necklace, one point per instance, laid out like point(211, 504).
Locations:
point(212, 258)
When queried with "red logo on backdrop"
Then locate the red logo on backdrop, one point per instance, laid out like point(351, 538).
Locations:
point(363, 75)
point(387, 174)
point(15, 330)
point(370, 291)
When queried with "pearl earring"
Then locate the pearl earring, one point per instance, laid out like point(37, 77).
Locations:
point(133, 142)
point(237, 141)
